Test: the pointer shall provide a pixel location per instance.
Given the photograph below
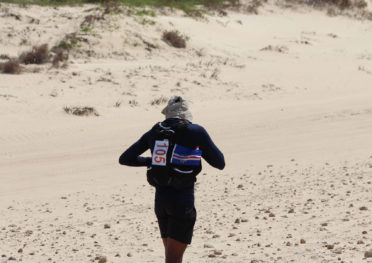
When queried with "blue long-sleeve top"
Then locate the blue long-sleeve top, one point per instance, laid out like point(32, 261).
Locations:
point(192, 136)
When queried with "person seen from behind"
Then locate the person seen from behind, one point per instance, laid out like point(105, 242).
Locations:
point(177, 146)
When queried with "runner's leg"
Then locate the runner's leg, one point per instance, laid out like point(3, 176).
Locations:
point(165, 241)
point(174, 251)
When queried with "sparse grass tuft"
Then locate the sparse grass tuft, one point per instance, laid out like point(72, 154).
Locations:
point(4, 56)
point(59, 57)
point(23, 42)
point(340, 4)
point(158, 101)
point(118, 104)
point(361, 4)
point(10, 67)
point(145, 21)
point(254, 5)
point(69, 42)
point(89, 20)
point(64, 45)
point(81, 111)
point(190, 7)
point(145, 12)
point(280, 49)
point(38, 55)
point(133, 103)
point(111, 7)
point(174, 39)
point(86, 29)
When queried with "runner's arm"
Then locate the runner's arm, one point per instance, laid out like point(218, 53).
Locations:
point(131, 156)
point(210, 152)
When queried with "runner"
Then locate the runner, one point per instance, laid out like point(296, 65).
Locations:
point(177, 147)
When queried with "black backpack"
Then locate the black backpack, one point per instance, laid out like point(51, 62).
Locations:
point(164, 172)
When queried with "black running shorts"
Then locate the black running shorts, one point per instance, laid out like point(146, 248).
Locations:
point(176, 221)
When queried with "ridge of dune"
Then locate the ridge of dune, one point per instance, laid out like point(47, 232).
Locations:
point(285, 94)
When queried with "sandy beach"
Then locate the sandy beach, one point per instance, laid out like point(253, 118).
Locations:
point(286, 95)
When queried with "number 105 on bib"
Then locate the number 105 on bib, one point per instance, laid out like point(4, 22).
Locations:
point(159, 155)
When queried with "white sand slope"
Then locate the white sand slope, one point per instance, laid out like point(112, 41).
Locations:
point(285, 94)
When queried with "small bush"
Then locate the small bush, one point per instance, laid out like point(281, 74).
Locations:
point(81, 111)
point(10, 67)
point(4, 56)
point(174, 39)
point(38, 55)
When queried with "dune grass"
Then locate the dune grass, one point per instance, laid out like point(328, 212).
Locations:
point(186, 5)
point(190, 7)
point(341, 4)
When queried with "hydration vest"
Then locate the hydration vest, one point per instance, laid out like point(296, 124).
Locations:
point(173, 165)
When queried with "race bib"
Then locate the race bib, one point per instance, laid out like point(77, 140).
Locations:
point(159, 155)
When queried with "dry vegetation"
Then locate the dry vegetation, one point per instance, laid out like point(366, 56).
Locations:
point(3, 56)
point(351, 8)
point(41, 54)
point(38, 55)
point(342, 4)
point(158, 101)
point(89, 20)
point(118, 104)
point(174, 39)
point(81, 111)
point(254, 5)
point(10, 67)
point(133, 103)
point(70, 41)
point(110, 6)
point(59, 57)
point(280, 49)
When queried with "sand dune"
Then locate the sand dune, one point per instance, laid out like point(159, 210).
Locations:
point(285, 94)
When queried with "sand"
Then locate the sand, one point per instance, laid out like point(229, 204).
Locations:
point(285, 94)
